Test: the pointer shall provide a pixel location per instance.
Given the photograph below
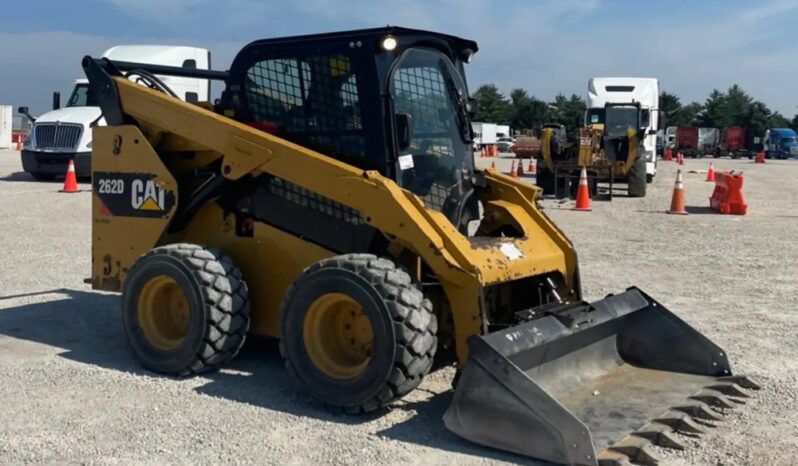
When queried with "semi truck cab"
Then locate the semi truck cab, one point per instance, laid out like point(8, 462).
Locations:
point(781, 143)
point(622, 90)
point(64, 134)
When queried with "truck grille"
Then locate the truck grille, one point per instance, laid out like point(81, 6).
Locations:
point(57, 137)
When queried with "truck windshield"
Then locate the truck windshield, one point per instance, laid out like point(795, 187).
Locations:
point(788, 140)
point(619, 119)
point(428, 88)
point(81, 97)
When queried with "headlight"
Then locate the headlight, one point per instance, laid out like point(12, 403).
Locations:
point(28, 141)
point(89, 144)
point(466, 55)
point(389, 43)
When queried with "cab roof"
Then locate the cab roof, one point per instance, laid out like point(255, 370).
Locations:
point(456, 43)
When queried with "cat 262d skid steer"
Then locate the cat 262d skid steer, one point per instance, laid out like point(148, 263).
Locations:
point(329, 199)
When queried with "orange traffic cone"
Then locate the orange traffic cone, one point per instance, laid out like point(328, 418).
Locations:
point(583, 193)
point(520, 169)
point(70, 180)
point(531, 168)
point(680, 161)
point(710, 173)
point(19, 145)
point(513, 171)
point(760, 157)
point(677, 201)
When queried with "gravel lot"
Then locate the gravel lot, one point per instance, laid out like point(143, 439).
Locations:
point(71, 393)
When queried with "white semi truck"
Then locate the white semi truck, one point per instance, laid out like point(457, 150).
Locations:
point(64, 134)
point(617, 90)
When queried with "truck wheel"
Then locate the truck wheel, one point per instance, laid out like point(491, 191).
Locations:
point(184, 309)
point(356, 332)
point(636, 178)
point(649, 178)
point(544, 178)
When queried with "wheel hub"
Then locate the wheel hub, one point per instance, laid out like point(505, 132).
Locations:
point(163, 312)
point(338, 336)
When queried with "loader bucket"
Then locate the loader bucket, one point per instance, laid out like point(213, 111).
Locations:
point(593, 384)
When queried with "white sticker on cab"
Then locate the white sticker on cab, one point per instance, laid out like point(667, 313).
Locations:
point(406, 162)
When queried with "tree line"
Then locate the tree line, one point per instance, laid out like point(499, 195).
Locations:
point(721, 109)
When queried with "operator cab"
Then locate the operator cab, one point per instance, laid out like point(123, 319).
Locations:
point(390, 99)
point(618, 120)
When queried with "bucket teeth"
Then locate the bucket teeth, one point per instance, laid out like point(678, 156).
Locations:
point(699, 410)
point(678, 420)
point(714, 399)
point(731, 389)
point(612, 458)
point(637, 449)
point(741, 380)
point(660, 435)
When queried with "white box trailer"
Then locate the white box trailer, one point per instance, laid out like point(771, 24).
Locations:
point(618, 90)
point(484, 133)
point(6, 124)
point(503, 131)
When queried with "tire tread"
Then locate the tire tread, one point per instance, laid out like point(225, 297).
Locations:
point(415, 325)
point(223, 292)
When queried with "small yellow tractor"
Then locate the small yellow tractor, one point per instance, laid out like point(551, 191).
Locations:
point(329, 199)
point(610, 151)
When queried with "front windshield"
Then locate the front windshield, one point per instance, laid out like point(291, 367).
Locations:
point(788, 140)
point(81, 97)
point(427, 88)
point(619, 119)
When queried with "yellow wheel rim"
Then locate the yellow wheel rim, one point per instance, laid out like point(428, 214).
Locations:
point(338, 336)
point(163, 312)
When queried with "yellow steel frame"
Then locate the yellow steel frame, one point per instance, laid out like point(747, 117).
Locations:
point(462, 266)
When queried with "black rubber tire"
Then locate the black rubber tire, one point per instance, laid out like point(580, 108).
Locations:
point(636, 178)
point(649, 178)
point(403, 323)
point(218, 303)
point(544, 178)
point(42, 176)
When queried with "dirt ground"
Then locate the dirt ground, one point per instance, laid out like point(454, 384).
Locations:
point(71, 393)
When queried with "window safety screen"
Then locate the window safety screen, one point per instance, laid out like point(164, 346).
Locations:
point(428, 89)
point(313, 101)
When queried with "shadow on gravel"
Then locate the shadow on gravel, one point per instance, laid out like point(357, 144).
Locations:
point(258, 377)
point(700, 210)
point(426, 428)
point(22, 176)
point(85, 324)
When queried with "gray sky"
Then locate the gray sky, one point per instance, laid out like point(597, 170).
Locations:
point(544, 46)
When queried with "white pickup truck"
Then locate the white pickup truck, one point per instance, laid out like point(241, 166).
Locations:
point(64, 134)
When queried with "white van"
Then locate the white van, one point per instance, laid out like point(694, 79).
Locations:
point(64, 134)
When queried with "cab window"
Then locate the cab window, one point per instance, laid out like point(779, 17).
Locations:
point(313, 100)
point(80, 97)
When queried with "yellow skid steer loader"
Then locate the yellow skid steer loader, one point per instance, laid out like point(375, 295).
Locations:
point(329, 199)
